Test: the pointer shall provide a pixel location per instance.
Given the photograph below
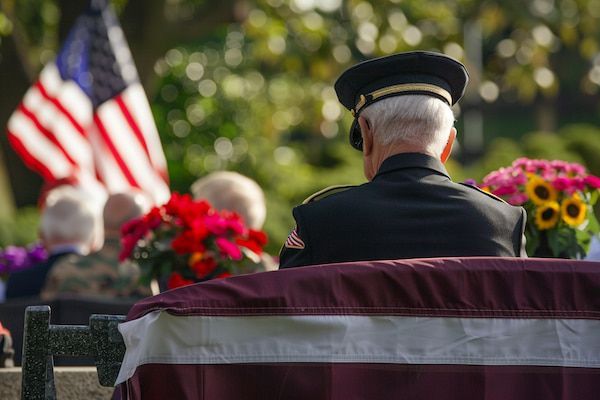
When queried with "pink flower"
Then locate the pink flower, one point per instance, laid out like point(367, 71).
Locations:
point(504, 190)
point(562, 183)
point(578, 183)
point(559, 165)
point(576, 169)
point(228, 248)
point(593, 181)
point(216, 224)
point(520, 162)
point(236, 226)
point(517, 199)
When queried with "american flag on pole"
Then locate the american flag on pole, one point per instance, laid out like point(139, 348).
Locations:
point(463, 329)
point(87, 117)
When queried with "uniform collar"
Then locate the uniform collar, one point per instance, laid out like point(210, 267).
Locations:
point(411, 160)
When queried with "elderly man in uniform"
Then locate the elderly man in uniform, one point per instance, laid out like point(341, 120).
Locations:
point(410, 208)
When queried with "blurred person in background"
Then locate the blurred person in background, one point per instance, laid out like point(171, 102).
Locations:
point(69, 227)
point(232, 191)
point(100, 274)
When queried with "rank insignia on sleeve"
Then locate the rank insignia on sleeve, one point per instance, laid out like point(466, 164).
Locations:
point(293, 241)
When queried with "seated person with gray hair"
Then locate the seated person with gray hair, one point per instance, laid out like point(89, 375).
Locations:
point(69, 227)
point(410, 208)
point(226, 190)
point(100, 274)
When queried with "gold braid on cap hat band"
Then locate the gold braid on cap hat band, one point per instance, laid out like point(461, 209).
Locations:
point(404, 87)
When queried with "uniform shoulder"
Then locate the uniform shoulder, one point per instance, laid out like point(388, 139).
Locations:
point(328, 191)
point(491, 195)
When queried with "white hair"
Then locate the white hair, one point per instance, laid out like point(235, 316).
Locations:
point(69, 218)
point(420, 120)
point(234, 192)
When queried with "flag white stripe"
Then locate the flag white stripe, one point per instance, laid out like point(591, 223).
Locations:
point(131, 151)
point(68, 93)
point(137, 102)
point(38, 145)
point(109, 171)
point(54, 121)
point(159, 337)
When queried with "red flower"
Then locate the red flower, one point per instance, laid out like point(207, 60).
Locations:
point(223, 275)
point(204, 267)
point(188, 241)
point(127, 245)
point(176, 280)
point(178, 204)
point(131, 226)
point(255, 242)
point(205, 240)
point(193, 211)
point(154, 218)
point(258, 236)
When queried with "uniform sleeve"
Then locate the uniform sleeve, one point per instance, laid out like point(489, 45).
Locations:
point(296, 250)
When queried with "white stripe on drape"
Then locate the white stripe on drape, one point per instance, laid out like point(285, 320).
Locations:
point(159, 337)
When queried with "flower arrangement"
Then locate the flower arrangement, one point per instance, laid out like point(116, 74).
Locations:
point(187, 241)
point(558, 197)
point(15, 258)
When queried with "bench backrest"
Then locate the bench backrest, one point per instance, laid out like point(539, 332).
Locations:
point(42, 341)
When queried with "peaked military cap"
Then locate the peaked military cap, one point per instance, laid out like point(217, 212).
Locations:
point(416, 72)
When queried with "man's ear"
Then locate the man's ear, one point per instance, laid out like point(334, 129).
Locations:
point(448, 147)
point(367, 136)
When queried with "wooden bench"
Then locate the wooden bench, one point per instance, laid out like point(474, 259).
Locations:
point(42, 341)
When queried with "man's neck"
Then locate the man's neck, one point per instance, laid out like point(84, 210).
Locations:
point(382, 153)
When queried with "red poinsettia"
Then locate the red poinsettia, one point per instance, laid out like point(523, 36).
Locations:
point(186, 241)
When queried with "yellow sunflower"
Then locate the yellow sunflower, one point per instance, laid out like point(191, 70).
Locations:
point(540, 191)
point(547, 215)
point(573, 211)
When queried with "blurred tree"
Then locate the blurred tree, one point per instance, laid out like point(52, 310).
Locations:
point(248, 85)
point(257, 96)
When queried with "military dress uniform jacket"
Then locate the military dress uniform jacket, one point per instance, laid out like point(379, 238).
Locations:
point(411, 209)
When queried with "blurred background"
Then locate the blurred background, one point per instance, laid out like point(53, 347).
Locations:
point(247, 85)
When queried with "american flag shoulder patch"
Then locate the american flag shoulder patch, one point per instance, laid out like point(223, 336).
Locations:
point(293, 241)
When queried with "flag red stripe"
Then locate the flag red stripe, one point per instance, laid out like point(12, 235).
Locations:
point(360, 381)
point(61, 108)
point(133, 125)
point(30, 160)
point(117, 157)
point(49, 135)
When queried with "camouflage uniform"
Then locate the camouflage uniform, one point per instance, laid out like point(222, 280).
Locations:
point(99, 274)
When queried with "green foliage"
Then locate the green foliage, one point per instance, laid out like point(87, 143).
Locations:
point(20, 230)
point(257, 97)
point(585, 141)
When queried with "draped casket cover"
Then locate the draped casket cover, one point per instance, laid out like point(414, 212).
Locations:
point(456, 328)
